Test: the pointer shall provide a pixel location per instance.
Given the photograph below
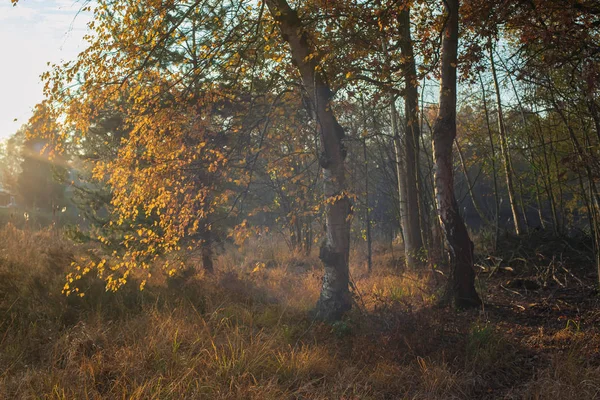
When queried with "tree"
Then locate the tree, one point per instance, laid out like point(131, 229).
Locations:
point(461, 286)
point(335, 296)
point(414, 186)
point(41, 180)
point(194, 121)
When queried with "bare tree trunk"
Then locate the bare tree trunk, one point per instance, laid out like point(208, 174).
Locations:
point(531, 154)
point(335, 297)
point(402, 189)
point(412, 137)
point(307, 236)
point(470, 185)
point(548, 179)
point(461, 288)
point(366, 172)
point(559, 184)
point(437, 247)
point(594, 195)
point(428, 225)
point(494, 170)
point(585, 159)
point(504, 148)
point(536, 178)
point(522, 205)
point(407, 215)
point(207, 250)
point(593, 109)
point(588, 208)
point(367, 211)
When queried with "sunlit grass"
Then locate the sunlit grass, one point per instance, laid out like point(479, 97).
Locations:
point(246, 332)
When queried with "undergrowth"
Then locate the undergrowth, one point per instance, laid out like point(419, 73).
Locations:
point(246, 333)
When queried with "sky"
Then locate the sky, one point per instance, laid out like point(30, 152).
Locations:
point(32, 34)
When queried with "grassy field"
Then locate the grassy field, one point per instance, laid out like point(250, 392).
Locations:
point(247, 333)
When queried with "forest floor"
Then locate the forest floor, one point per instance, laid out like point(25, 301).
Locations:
point(246, 332)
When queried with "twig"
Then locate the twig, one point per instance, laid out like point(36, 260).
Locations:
point(511, 291)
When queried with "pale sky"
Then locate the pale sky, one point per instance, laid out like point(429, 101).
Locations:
point(31, 34)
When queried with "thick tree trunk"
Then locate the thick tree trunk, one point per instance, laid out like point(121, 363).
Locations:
point(504, 149)
point(411, 138)
point(461, 288)
point(335, 297)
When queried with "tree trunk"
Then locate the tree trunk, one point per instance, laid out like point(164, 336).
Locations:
point(470, 186)
point(461, 287)
point(547, 176)
point(402, 189)
point(400, 154)
point(335, 297)
point(411, 138)
point(206, 251)
point(307, 236)
point(532, 162)
point(367, 211)
point(494, 170)
point(504, 149)
point(427, 200)
point(522, 205)
point(366, 173)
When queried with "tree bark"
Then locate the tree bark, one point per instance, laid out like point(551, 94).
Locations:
point(335, 297)
point(461, 287)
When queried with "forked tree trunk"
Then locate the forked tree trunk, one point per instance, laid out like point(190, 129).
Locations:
point(461, 287)
point(335, 297)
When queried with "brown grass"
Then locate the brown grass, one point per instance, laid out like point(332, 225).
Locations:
point(246, 333)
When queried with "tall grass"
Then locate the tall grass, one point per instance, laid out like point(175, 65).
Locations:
point(244, 333)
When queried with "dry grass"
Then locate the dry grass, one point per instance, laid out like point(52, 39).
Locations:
point(246, 333)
